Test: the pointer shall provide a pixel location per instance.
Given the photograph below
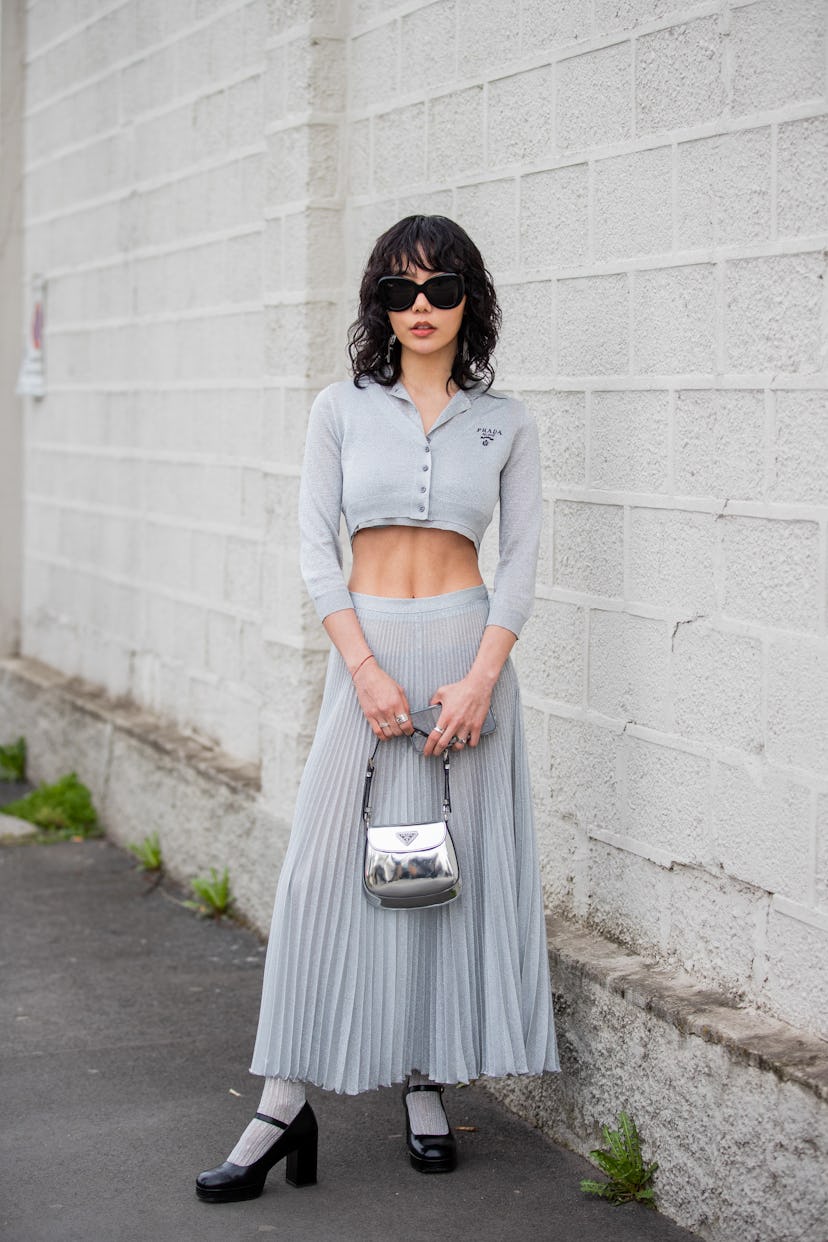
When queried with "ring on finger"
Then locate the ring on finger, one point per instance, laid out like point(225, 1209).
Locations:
point(401, 719)
point(437, 729)
point(383, 724)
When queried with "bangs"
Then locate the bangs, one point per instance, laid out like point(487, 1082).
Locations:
point(422, 241)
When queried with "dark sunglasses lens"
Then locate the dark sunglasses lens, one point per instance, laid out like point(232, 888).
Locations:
point(444, 292)
point(397, 293)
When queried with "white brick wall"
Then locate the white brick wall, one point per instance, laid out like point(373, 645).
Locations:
point(647, 181)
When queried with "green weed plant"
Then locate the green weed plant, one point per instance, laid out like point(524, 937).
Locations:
point(629, 1177)
point(63, 810)
point(213, 892)
point(148, 852)
point(13, 761)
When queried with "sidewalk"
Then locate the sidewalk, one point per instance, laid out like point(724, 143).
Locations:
point(125, 1031)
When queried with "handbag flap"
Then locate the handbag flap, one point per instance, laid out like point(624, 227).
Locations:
point(407, 838)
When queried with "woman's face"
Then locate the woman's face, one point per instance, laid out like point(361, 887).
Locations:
point(423, 328)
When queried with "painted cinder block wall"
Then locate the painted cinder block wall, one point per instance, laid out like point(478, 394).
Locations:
point(647, 181)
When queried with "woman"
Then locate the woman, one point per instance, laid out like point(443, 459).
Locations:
point(416, 452)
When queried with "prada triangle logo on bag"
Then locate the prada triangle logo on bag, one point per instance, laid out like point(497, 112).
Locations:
point(407, 837)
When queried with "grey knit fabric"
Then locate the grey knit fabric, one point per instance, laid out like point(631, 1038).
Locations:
point(367, 456)
point(355, 996)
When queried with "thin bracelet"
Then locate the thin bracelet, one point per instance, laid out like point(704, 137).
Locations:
point(370, 656)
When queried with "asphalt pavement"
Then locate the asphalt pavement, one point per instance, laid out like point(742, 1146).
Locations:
point(126, 1027)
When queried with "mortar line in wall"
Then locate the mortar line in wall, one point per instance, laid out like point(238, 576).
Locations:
point(554, 326)
point(680, 502)
point(586, 641)
point(153, 589)
point(159, 250)
point(225, 311)
point(240, 690)
point(284, 638)
point(813, 849)
point(180, 103)
point(517, 206)
point(485, 127)
point(769, 446)
point(719, 315)
point(800, 913)
point(634, 845)
point(774, 181)
point(674, 212)
point(813, 382)
point(731, 757)
point(759, 631)
point(183, 173)
point(76, 28)
point(626, 587)
point(822, 574)
point(590, 214)
point(631, 283)
point(709, 810)
point(633, 84)
point(764, 768)
point(651, 140)
point(56, 154)
point(156, 456)
point(672, 404)
point(127, 62)
point(654, 261)
point(170, 521)
point(727, 76)
point(268, 382)
point(219, 384)
point(568, 51)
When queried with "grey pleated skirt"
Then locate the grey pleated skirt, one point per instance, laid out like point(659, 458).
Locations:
point(355, 996)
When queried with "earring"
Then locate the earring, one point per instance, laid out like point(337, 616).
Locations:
point(389, 351)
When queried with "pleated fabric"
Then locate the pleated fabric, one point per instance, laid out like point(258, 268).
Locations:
point(355, 996)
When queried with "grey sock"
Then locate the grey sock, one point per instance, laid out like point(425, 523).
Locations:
point(281, 1099)
point(425, 1108)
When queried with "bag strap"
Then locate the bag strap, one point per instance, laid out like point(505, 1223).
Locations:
point(369, 776)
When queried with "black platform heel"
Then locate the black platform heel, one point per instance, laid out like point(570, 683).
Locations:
point(230, 1182)
point(429, 1153)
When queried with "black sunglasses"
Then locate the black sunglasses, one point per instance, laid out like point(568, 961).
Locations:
point(398, 293)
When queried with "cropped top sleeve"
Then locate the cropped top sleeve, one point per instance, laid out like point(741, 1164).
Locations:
point(367, 457)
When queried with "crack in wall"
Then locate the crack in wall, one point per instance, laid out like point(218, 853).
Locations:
point(699, 616)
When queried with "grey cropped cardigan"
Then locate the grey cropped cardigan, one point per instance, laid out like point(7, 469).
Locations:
point(368, 457)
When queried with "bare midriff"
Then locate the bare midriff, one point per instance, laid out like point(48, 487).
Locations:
point(401, 562)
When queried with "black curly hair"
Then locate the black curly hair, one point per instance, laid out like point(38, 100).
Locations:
point(436, 244)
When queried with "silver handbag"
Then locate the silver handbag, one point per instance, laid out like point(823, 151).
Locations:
point(407, 866)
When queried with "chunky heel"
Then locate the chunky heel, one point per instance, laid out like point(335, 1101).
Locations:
point(300, 1166)
point(297, 1145)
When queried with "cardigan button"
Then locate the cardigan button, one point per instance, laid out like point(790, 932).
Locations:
point(422, 508)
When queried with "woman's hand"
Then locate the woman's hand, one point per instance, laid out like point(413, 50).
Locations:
point(465, 704)
point(382, 701)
